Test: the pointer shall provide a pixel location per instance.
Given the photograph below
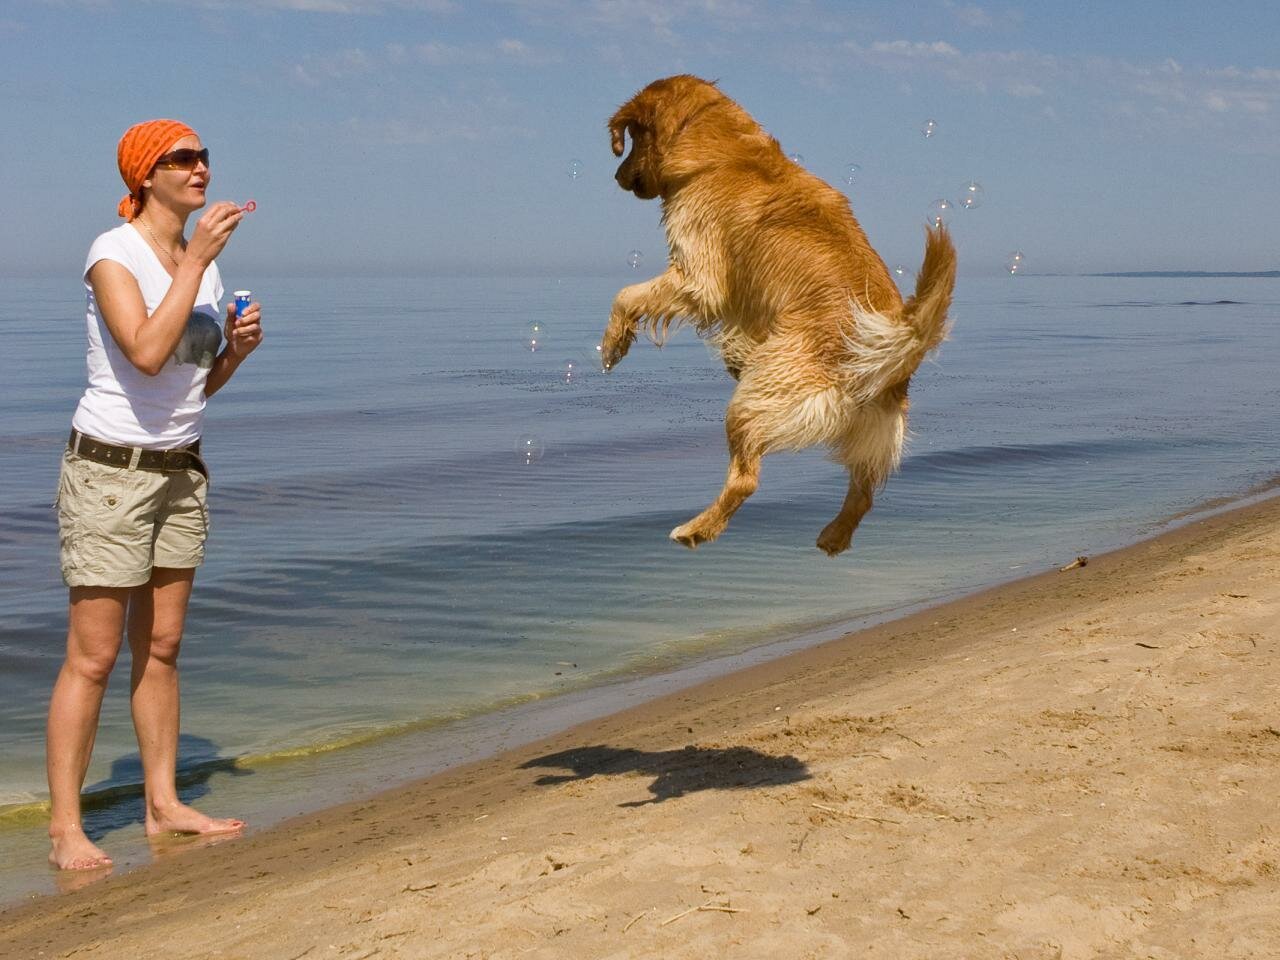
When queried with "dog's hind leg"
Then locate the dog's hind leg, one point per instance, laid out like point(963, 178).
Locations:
point(870, 451)
point(836, 535)
point(744, 477)
point(769, 411)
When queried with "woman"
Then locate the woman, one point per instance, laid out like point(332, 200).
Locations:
point(132, 512)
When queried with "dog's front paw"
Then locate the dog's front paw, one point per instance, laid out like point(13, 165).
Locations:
point(617, 341)
point(692, 534)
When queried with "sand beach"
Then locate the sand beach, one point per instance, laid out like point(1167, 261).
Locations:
point(1079, 764)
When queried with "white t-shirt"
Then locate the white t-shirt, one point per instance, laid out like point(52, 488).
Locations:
point(124, 405)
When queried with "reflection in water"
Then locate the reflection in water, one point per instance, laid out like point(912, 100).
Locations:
point(116, 801)
point(69, 881)
point(171, 844)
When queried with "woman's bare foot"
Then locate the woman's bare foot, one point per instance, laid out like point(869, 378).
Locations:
point(177, 817)
point(72, 850)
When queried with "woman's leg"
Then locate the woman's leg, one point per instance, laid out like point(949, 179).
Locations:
point(157, 613)
point(96, 626)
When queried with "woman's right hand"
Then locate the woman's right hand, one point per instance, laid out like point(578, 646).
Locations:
point(213, 229)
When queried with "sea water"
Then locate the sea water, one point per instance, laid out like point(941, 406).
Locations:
point(393, 584)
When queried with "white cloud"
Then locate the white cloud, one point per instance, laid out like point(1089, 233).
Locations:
point(1020, 88)
point(971, 15)
point(442, 120)
point(917, 50)
point(347, 64)
point(1179, 92)
point(344, 7)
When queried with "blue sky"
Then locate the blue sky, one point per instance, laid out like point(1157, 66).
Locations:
point(435, 136)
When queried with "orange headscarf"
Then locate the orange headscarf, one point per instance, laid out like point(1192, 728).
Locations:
point(140, 147)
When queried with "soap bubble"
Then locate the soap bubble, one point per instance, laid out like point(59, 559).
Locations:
point(592, 359)
point(901, 274)
point(929, 129)
point(572, 371)
point(633, 259)
point(971, 195)
point(939, 211)
point(575, 169)
point(1015, 263)
point(529, 449)
point(851, 171)
point(534, 337)
point(796, 158)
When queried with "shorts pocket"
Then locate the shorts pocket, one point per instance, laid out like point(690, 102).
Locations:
point(99, 525)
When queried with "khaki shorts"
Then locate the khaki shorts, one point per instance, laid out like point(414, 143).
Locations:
point(115, 524)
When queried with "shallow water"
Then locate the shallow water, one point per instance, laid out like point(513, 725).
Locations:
point(383, 562)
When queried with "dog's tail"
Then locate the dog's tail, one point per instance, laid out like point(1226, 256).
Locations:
point(886, 348)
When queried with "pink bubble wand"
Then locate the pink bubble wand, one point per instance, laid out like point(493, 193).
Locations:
point(249, 206)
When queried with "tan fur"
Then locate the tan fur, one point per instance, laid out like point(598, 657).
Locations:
point(769, 265)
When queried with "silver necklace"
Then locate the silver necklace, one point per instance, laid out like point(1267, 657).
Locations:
point(162, 249)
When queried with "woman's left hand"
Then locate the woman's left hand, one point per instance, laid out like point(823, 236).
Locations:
point(244, 333)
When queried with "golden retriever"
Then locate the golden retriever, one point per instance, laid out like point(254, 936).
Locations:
point(769, 265)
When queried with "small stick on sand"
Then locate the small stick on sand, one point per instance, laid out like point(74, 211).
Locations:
point(708, 907)
point(853, 816)
point(1077, 562)
point(680, 915)
point(633, 921)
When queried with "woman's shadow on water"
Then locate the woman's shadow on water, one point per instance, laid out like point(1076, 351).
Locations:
point(118, 801)
point(675, 772)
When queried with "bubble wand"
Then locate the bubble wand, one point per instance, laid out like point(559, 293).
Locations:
point(244, 297)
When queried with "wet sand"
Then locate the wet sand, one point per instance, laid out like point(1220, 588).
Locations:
point(1081, 764)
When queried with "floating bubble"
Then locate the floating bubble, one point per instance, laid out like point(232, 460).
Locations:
point(1015, 263)
point(575, 169)
point(971, 195)
point(851, 172)
point(796, 158)
point(572, 371)
point(592, 359)
point(529, 449)
point(939, 211)
point(901, 274)
point(534, 337)
point(929, 129)
point(633, 259)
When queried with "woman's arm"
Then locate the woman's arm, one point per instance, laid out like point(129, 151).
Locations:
point(149, 341)
point(243, 336)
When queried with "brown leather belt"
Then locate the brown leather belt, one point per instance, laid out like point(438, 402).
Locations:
point(158, 461)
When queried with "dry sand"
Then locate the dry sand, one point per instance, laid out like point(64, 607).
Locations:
point(1083, 764)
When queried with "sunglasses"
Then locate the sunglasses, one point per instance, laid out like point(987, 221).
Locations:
point(183, 159)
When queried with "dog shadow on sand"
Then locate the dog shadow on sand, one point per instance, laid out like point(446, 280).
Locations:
point(675, 772)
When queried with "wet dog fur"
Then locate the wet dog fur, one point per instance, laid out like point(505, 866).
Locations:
point(770, 266)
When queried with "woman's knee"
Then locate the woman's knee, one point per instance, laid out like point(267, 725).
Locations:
point(92, 663)
point(161, 646)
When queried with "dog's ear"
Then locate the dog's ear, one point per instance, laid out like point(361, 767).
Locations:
point(618, 127)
